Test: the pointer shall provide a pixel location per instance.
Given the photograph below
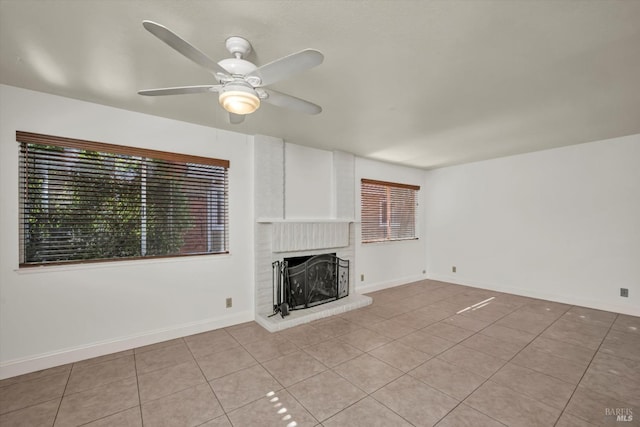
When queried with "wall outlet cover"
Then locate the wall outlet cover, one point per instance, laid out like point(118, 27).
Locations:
point(229, 302)
point(624, 292)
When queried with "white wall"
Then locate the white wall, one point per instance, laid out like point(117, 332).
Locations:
point(390, 263)
point(344, 165)
point(561, 224)
point(54, 315)
point(308, 181)
point(268, 177)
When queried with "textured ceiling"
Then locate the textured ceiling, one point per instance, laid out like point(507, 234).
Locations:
point(422, 83)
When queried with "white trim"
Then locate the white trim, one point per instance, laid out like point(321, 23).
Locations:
point(117, 263)
point(15, 367)
point(364, 289)
point(298, 317)
point(262, 220)
point(565, 299)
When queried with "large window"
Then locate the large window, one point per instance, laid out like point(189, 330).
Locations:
point(85, 201)
point(388, 211)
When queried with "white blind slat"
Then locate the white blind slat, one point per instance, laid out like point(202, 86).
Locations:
point(78, 204)
point(388, 211)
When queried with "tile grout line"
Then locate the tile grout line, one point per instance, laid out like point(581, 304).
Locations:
point(270, 374)
point(481, 384)
point(135, 367)
point(537, 336)
point(138, 384)
point(328, 369)
point(63, 393)
point(515, 355)
point(367, 394)
point(332, 369)
point(207, 381)
point(433, 357)
point(258, 363)
point(73, 365)
point(585, 371)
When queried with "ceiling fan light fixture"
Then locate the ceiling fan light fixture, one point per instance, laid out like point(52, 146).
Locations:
point(239, 99)
point(241, 84)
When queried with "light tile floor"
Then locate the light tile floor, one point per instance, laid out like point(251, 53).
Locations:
point(414, 357)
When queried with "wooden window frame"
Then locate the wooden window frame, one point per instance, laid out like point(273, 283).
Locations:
point(380, 202)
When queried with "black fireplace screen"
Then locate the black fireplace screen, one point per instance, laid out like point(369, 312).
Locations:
point(317, 280)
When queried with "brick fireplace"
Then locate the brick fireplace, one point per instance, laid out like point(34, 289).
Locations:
point(281, 234)
point(286, 239)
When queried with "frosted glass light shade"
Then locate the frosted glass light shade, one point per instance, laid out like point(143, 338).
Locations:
point(239, 100)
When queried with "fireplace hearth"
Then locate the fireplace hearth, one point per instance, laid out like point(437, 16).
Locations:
point(303, 282)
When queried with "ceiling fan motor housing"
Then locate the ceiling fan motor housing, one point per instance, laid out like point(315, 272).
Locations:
point(237, 67)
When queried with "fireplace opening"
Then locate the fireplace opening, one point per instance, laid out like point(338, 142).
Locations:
point(306, 281)
point(294, 261)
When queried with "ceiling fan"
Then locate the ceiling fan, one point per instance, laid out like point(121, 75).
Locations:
point(241, 84)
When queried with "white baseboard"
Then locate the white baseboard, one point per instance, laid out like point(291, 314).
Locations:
point(25, 365)
point(363, 289)
point(565, 299)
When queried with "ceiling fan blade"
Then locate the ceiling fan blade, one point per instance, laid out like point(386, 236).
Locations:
point(184, 47)
point(235, 119)
point(182, 90)
point(283, 68)
point(283, 100)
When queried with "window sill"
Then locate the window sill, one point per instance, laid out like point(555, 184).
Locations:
point(411, 239)
point(39, 269)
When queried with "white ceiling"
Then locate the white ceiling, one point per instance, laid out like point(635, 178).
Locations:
point(421, 83)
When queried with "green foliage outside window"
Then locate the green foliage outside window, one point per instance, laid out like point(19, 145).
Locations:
point(87, 205)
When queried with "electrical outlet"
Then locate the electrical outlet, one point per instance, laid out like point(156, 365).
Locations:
point(362, 277)
point(624, 292)
point(229, 302)
point(424, 271)
point(453, 269)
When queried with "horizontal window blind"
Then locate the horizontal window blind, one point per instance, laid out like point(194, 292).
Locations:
point(388, 211)
point(85, 201)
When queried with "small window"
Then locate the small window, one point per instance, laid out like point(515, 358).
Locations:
point(84, 201)
point(388, 211)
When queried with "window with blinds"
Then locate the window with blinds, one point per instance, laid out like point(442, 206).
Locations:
point(388, 211)
point(83, 201)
